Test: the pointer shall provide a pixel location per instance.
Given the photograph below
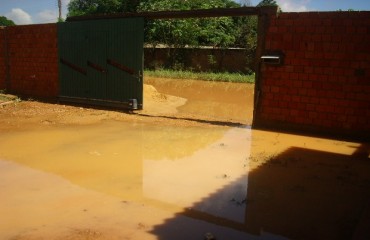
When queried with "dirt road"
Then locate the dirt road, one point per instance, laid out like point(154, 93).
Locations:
point(201, 103)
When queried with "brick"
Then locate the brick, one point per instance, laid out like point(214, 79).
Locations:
point(310, 55)
point(303, 77)
point(303, 92)
point(275, 89)
point(294, 112)
point(283, 104)
point(300, 29)
point(293, 75)
point(273, 29)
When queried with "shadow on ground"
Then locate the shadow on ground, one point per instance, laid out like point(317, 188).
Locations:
point(300, 193)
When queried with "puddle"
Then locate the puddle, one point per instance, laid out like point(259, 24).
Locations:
point(107, 157)
point(137, 180)
point(166, 182)
point(224, 101)
point(96, 159)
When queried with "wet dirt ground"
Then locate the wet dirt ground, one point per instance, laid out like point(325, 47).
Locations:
point(186, 167)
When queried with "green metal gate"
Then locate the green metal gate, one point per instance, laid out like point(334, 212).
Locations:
point(101, 62)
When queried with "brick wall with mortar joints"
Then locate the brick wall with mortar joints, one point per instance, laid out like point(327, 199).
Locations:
point(2, 59)
point(325, 80)
point(33, 57)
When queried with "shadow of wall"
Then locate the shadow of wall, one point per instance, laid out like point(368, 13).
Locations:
point(298, 194)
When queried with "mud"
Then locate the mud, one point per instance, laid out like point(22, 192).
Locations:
point(221, 101)
point(173, 172)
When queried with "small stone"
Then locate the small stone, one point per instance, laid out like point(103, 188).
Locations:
point(209, 236)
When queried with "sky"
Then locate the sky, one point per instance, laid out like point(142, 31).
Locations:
point(46, 11)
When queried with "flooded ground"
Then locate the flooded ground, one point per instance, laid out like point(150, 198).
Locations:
point(220, 101)
point(75, 173)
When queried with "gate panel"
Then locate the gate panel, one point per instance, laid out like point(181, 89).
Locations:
point(96, 65)
point(126, 62)
point(101, 61)
point(72, 64)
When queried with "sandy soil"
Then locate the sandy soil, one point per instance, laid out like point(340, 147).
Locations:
point(33, 114)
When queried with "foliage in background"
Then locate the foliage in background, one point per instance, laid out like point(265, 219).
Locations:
point(267, 3)
point(195, 32)
point(217, 32)
point(86, 7)
point(6, 22)
point(206, 76)
point(247, 38)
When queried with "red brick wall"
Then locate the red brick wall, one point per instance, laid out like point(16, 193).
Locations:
point(2, 59)
point(324, 84)
point(33, 58)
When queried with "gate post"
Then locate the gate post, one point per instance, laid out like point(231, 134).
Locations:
point(264, 15)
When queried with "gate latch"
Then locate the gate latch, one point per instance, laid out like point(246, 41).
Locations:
point(132, 103)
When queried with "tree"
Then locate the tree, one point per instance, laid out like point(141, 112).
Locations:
point(247, 38)
point(217, 32)
point(267, 3)
point(87, 7)
point(6, 22)
point(178, 33)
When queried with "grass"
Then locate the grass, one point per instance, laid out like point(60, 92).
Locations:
point(205, 76)
point(2, 98)
point(6, 97)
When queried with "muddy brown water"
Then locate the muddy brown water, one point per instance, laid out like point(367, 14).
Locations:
point(221, 101)
point(136, 180)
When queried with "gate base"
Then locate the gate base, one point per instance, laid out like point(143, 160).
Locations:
point(103, 103)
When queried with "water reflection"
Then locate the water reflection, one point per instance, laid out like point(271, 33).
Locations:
point(233, 183)
point(219, 170)
point(297, 188)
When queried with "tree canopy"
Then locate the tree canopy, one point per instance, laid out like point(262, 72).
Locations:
point(6, 22)
point(85, 7)
point(267, 3)
point(196, 31)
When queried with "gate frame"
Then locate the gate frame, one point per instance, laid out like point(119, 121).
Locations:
point(263, 13)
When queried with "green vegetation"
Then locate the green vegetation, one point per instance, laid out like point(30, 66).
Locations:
point(206, 76)
point(217, 32)
point(4, 97)
point(6, 22)
point(267, 3)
